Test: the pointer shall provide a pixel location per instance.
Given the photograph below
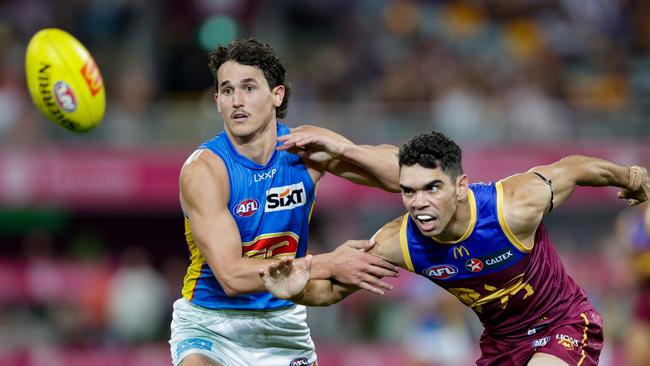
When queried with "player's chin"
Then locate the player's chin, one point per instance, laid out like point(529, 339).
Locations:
point(428, 230)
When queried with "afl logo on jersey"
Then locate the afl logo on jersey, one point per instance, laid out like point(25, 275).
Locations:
point(474, 265)
point(246, 207)
point(441, 271)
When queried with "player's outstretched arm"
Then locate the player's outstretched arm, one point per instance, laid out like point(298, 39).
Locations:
point(527, 196)
point(204, 192)
point(288, 279)
point(351, 264)
point(328, 151)
point(577, 170)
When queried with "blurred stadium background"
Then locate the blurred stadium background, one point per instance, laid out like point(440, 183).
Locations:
point(92, 250)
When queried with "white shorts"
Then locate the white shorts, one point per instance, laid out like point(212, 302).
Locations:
point(242, 337)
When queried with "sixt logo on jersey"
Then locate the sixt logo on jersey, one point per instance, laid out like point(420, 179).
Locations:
point(302, 361)
point(285, 197)
point(441, 271)
point(246, 207)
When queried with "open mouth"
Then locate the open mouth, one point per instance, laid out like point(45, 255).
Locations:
point(427, 222)
point(239, 116)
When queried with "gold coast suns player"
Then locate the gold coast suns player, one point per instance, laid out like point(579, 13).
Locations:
point(247, 202)
point(486, 244)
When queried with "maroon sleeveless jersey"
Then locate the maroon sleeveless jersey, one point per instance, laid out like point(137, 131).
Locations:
point(516, 292)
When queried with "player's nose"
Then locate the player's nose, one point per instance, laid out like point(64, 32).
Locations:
point(420, 200)
point(237, 99)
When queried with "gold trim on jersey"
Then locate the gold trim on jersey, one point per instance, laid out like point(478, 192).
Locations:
point(403, 241)
point(196, 263)
point(472, 221)
point(584, 339)
point(313, 202)
point(504, 226)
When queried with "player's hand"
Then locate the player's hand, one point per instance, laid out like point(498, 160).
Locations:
point(642, 194)
point(351, 265)
point(286, 278)
point(308, 143)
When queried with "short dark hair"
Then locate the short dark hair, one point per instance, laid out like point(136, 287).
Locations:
point(252, 52)
point(432, 150)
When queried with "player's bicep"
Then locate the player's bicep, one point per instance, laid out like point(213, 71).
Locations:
point(526, 198)
point(204, 197)
point(352, 172)
point(387, 243)
point(562, 178)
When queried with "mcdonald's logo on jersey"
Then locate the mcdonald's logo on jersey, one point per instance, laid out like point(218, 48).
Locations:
point(460, 251)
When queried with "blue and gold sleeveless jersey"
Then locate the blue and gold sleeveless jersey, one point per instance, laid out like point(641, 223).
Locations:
point(271, 205)
point(512, 289)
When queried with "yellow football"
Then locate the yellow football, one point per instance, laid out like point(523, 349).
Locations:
point(64, 80)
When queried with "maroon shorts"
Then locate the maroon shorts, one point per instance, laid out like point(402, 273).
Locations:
point(577, 341)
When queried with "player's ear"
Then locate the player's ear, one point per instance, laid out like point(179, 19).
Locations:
point(278, 95)
point(461, 187)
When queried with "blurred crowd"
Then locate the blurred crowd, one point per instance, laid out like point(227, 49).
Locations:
point(485, 72)
point(480, 70)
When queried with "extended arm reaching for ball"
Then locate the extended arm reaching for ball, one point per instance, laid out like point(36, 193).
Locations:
point(292, 280)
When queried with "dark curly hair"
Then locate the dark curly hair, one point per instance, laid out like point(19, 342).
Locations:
point(252, 52)
point(432, 150)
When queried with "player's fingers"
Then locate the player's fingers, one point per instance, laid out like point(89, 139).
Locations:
point(287, 144)
point(359, 244)
point(304, 140)
point(284, 264)
point(380, 272)
point(370, 288)
point(265, 274)
point(376, 282)
point(378, 262)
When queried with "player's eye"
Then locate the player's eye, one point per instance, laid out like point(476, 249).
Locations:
point(249, 88)
point(226, 91)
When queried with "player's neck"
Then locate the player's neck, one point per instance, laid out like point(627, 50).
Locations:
point(259, 146)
